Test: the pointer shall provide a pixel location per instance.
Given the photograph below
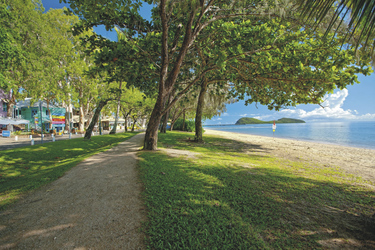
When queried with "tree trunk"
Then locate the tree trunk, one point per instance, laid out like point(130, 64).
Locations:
point(134, 121)
point(171, 128)
point(126, 118)
point(151, 136)
point(95, 119)
point(126, 123)
point(50, 115)
point(165, 118)
point(176, 115)
point(10, 104)
point(198, 113)
point(113, 131)
point(89, 114)
point(183, 121)
point(81, 118)
point(81, 123)
point(163, 128)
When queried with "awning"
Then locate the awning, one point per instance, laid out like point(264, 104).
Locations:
point(6, 121)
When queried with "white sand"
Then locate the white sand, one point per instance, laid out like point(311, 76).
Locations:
point(356, 161)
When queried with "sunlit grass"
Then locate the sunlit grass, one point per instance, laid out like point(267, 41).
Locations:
point(229, 196)
point(27, 168)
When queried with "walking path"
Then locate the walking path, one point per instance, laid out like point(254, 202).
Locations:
point(95, 205)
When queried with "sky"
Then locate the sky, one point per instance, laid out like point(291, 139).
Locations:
point(356, 102)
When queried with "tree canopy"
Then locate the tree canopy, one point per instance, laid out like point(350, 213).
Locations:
point(262, 48)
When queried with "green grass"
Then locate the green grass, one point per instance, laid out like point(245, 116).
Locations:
point(230, 196)
point(27, 168)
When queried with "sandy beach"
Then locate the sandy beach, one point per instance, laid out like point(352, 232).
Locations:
point(356, 161)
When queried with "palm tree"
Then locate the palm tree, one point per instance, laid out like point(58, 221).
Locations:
point(359, 13)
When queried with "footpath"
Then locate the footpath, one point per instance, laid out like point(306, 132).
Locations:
point(95, 205)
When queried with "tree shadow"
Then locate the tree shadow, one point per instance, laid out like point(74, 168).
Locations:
point(231, 207)
point(210, 143)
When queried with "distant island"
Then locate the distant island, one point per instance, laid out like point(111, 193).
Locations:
point(247, 120)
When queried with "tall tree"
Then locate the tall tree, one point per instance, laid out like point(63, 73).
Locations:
point(178, 25)
point(22, 21)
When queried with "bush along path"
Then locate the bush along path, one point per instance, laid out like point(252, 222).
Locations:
point(94, 205)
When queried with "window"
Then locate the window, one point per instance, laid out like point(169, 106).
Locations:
point(34, 112)
point(5, 107)
point(47, 112)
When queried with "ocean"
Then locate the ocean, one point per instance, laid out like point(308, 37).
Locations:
point(353, 134)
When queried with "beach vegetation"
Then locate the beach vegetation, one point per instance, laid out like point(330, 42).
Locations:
point(28, 168)
point(247, 120)
point(226, 194)
point(187, 125)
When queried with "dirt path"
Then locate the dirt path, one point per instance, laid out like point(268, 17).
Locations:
point(96, 205)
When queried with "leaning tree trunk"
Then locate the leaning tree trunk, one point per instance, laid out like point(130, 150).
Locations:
point(151, 136)
point(171, 128)
point(199, 112)
point(175, 117)
point(134, 122)
point(95, 119)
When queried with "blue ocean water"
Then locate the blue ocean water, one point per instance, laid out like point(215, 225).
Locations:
point(353, 134)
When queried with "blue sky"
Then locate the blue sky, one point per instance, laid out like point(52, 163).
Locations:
point(357, 102)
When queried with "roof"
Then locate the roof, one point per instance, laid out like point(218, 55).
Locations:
point(28, 103)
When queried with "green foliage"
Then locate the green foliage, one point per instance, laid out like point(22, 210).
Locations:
point(259, 47)
point(27, 168)
point(247, 120)
point(189, 125)
point(224, 195)
point(290, 120)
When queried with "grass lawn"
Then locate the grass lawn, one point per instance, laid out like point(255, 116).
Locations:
point(27, 168)
point(223, 195)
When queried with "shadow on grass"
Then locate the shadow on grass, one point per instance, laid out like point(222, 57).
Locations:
point(180, 140)
point(215, 206)
point(27, 168)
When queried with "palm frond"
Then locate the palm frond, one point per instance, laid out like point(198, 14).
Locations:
point(360, 15)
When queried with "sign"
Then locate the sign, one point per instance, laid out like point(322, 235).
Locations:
point(6, 133)
point(274, 126)
point(58, 118)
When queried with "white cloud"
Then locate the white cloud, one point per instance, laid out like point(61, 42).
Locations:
point(219, 119)
point(263, 117)
point(332, 109)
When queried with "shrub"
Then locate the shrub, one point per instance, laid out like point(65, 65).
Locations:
point(189, 125)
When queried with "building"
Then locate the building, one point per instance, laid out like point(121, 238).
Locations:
point(37, 113)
